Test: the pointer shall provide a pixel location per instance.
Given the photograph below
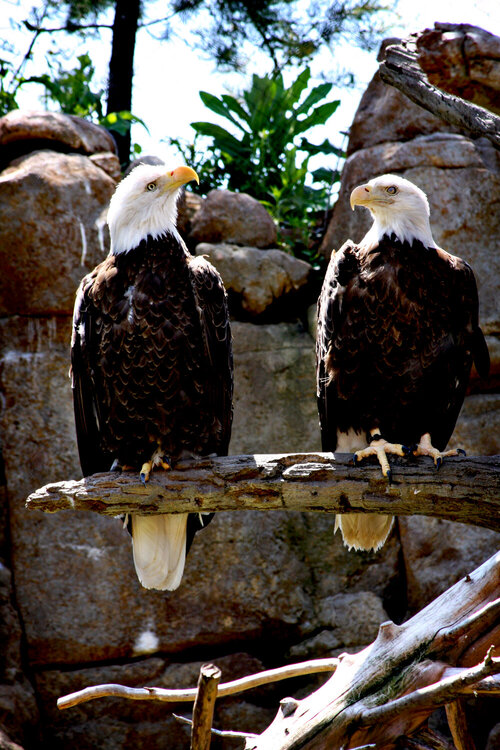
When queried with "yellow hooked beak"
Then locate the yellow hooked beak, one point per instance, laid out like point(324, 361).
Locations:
point(179, 176)
point(360, 196)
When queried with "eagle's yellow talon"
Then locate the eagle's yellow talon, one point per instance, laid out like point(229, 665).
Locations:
point(425, 448)
point(146, 471)
point(380, 448)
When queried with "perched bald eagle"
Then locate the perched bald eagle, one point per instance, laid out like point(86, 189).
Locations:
point(151, 359)
point(397, 334)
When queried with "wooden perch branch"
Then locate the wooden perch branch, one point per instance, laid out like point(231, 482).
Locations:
point(401, 70)
point(314, 666)
point(464, 489)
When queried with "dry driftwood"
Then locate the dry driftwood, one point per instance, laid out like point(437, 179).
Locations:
point(314, 666)
point(388, 690)
point(203, 709)
point(401, 69)
point(464, 489)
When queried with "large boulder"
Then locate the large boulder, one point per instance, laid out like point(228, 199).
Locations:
point(256, 279)
point(463, 60)
point(52, 230)
point(24, 131)
point(235, 218)
point(438, 553)
point(385, 115)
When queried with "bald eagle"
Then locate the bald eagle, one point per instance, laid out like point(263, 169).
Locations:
point(151, 359)
point(397, 334)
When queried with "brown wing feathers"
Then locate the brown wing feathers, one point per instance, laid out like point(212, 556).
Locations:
point(152, 386)
point(397, 328)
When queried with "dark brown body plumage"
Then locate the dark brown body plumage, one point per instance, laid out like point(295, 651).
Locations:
point(397, 334)
point(151, 359)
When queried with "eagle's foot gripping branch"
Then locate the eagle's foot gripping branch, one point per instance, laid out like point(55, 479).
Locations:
point(380, 448)
point(425, 448)
point(159, 459)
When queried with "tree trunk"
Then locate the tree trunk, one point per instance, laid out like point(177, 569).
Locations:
point(121, 67)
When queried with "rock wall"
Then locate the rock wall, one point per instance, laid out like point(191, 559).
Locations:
point(259, 589)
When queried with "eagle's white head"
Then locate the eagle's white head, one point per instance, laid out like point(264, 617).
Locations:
point(145, 203)
point(398, 207)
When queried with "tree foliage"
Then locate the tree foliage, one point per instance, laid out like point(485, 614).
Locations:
point(288, 31)
point(263, 150)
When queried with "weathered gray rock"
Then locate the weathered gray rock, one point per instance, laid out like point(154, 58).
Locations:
point(39, 128)
point(235, 218)
point(350, 620)
point(257, 277)
point(274, 367)
point(52, 230)
point(478, 427)
point(463, 60)
point(385, 115)
point(188, 206)
point(109, 163)
point(438, 553)
point(18, 706)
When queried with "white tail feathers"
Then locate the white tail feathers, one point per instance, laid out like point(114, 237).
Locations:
point(364, 530)
point(159, 544)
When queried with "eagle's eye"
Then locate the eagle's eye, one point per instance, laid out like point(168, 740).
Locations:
point(392, 190)
point(151, 186)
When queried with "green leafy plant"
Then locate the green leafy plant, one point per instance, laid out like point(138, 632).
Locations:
point(264, 152)
point(10, 81)
point(71, 91)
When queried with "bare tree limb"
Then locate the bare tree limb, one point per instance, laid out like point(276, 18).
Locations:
point(218, 732)
point(455, 713)
point(203, 709)
point(431, 696)
point(401, 69)
point(464, 489)
point(314, 666)
point(407, 667)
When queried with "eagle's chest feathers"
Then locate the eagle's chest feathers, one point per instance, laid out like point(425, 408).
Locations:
point(147, 291)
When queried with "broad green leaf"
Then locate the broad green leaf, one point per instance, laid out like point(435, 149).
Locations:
point(323, 174)
point(317, 117)
point(234, 105)
point(322, 148)
point(224, 140)
point(218, 106)
point(318, 93)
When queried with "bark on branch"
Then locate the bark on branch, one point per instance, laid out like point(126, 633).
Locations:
point(401, 69)
point(464, 489)
point(388, 690)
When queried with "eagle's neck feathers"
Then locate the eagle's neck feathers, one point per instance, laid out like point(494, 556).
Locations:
point(127, 230)
point(407, 226)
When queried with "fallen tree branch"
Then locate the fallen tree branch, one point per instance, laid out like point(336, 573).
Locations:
point(431, 696)
point(203, 709)
point(388, 690)
point(464, 489)
point(314, 666)
point(401, 69)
